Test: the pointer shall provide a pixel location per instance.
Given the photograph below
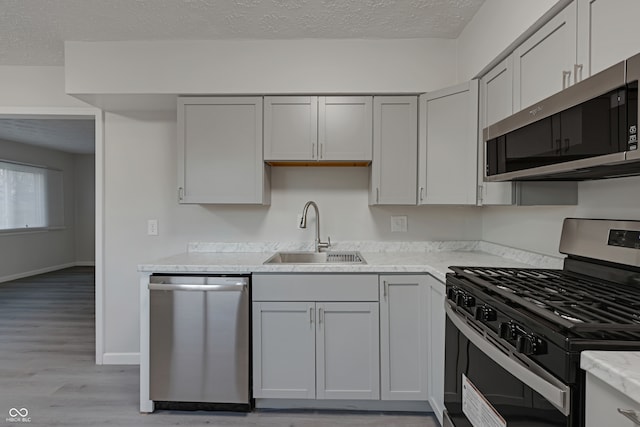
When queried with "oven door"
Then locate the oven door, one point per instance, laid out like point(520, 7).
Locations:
point(488, 385)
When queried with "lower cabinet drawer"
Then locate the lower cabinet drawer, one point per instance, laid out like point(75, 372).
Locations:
point(315, 287)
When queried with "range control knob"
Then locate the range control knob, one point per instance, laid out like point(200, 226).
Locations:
point(465, 300)
point(452, 293)
point(485, 314)
point(530, 345)
point(507, 331)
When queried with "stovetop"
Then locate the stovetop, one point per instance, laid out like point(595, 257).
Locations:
point(582, 305)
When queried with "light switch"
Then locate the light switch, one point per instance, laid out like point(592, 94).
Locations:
point(152, 227)
point(399, 223)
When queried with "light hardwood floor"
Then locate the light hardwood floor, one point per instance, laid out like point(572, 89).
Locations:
point(47, 365)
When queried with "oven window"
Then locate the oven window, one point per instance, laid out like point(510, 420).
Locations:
point(517, 403)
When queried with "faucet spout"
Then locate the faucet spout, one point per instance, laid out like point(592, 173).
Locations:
point(303, 224)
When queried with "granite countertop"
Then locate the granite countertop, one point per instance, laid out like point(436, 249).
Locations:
point(388, 257)
point(619, 369)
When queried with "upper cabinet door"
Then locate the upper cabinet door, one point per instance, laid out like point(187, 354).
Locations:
point(607, 33)
point(345, 127)
point(496, 103)
point(394, 170)
point(290, 127)
point(448, 158)
point(544, 64)
point(220, 150)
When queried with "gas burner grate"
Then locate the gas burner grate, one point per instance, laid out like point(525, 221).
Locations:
point(575, 302)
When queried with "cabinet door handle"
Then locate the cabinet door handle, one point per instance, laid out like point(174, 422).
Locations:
point(311, 315)
point(377, 195)
point(421, 193)
point(313, 150)
point(385, 289)
point(320, 310)
point(634, 416)
point(180, 193)
point(566, 79)
point(321, 150)
point(576, 68)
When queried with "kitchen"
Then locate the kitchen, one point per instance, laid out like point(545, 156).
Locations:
point(134, 193)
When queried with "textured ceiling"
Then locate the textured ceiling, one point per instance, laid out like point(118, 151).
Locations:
point(70, 135)
point(32, 32)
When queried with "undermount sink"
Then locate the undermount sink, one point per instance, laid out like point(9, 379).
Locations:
point(316, 258)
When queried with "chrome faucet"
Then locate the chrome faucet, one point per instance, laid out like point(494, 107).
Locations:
point(303, 224)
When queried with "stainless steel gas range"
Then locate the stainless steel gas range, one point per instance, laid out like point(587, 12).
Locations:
point(514, 336)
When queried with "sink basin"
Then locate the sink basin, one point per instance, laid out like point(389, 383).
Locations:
point(316, 258)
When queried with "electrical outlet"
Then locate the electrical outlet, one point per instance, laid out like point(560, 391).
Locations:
point(152, 227)
point(299, 219)
point(399, 223)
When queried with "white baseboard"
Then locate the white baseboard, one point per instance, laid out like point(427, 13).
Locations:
point(85, 263)
point(36, 272)
point(121, 359)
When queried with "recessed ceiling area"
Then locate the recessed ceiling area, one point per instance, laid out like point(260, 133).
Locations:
point(76, 135)
point(32, 32)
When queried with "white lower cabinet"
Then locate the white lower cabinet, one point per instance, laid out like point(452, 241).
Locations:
point(284, 350)
point(307, 350)
point(436, 322)
point(607, 406)
point(350, 337)
point(347, 357)
point(403, 337)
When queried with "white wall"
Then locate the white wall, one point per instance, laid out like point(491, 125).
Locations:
point(259, 66)
point(494, 27)
point(41, 250)
point(29, 86)
point(85, 211)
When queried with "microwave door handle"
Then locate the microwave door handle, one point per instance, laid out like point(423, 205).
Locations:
point(555, 392)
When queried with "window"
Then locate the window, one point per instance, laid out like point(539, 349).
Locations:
point(30, 196)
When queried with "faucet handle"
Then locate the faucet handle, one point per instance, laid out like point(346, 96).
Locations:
point(324, 245)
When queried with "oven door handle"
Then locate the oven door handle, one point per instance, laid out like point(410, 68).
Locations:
point(553, 390)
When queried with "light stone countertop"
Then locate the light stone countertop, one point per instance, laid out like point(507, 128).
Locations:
point(619, 369)
point(381, 257)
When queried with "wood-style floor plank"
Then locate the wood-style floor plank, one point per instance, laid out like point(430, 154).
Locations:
point(47, 365)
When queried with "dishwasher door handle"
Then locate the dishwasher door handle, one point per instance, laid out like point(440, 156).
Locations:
point(239, 287)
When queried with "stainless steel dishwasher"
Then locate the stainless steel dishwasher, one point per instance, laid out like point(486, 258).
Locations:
point(199, 342)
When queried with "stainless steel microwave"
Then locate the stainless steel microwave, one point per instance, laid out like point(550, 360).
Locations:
point(587, 131)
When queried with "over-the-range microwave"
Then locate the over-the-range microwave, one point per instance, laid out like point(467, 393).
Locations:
point(587, 131)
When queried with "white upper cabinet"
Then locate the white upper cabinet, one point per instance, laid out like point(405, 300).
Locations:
point(290, 127)
point(394, 170)
point(448, 150)
point(345, 127)
point(496, 103)
point(318, 128)
point(546, 62)
point(220, 151)
point(607, 33)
